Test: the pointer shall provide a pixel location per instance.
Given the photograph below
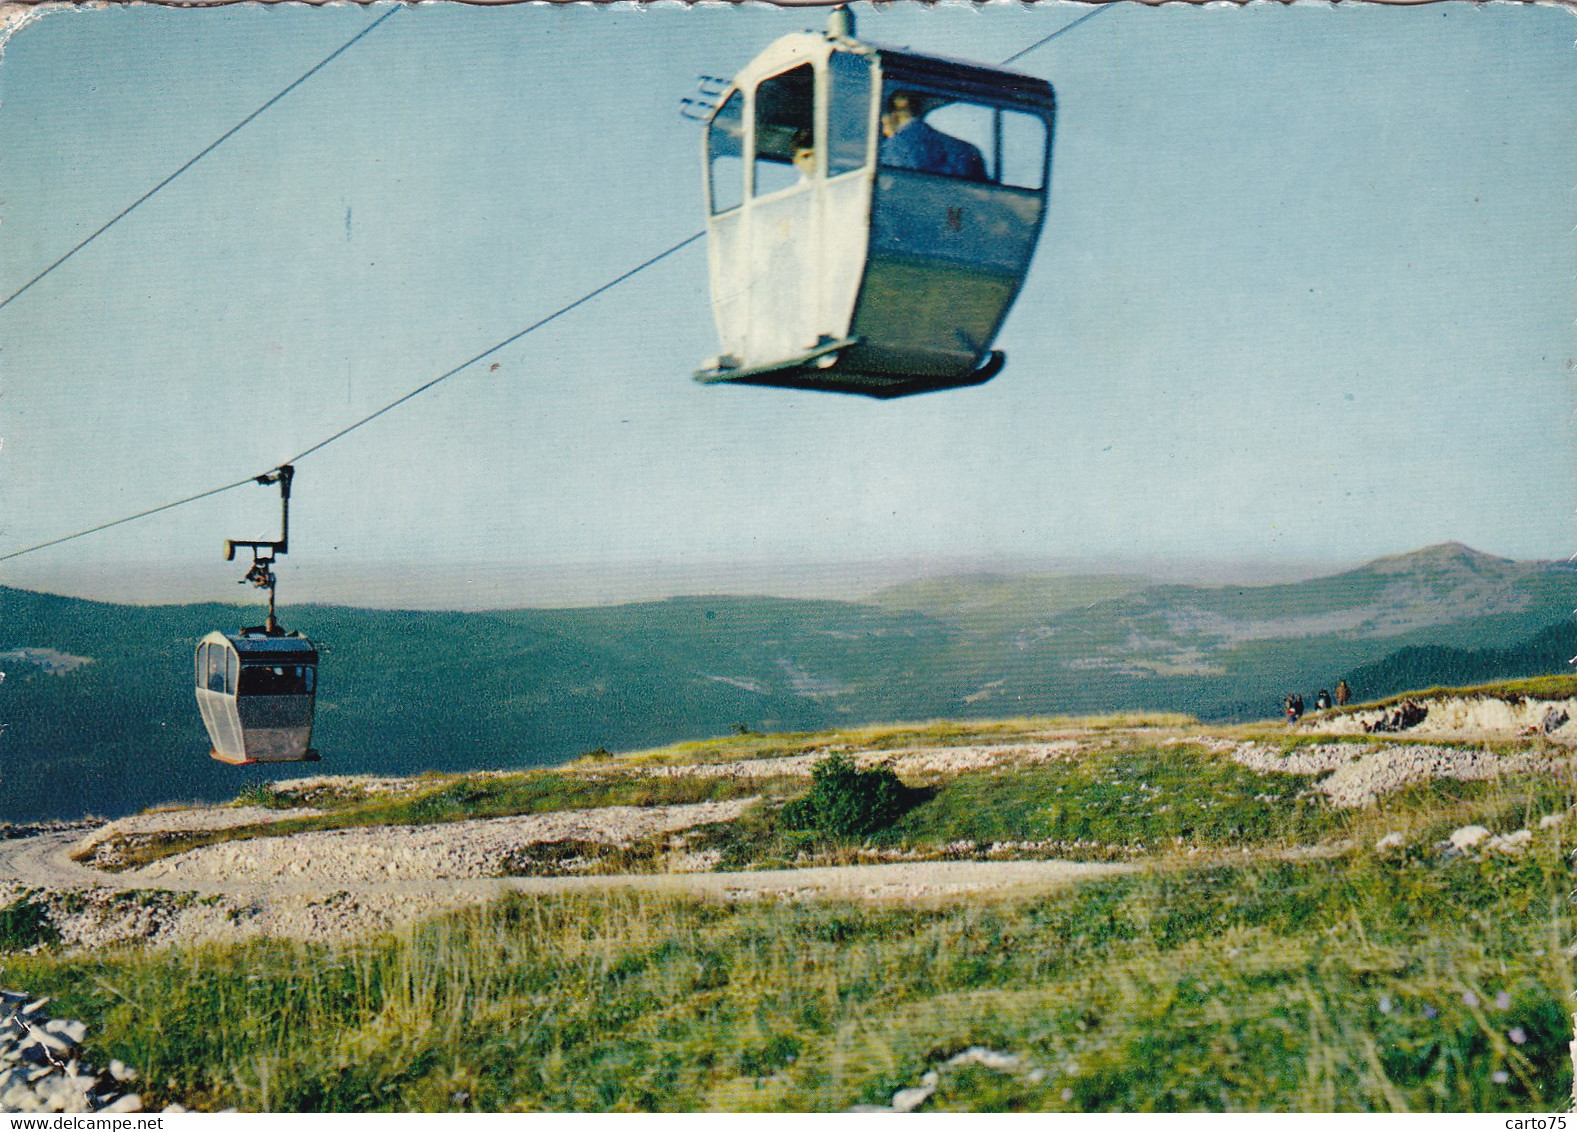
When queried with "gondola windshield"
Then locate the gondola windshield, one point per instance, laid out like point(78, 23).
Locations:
point(725, 144)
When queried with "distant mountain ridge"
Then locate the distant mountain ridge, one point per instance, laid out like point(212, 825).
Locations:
point(978, 600)
point(409, 691)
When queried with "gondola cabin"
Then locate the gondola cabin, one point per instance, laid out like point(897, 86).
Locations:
point(872, 214)
point(256, 693)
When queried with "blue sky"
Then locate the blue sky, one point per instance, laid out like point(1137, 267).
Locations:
point(1305, 294)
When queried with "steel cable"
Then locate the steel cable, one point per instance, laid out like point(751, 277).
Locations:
point(420, 389)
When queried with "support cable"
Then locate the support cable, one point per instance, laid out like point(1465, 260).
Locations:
point(1039, 43)
point(350, 428)
point(420, 389)
point(128, 518)
point(224, 137)
point(537, 325)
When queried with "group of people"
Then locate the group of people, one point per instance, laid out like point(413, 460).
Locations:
point(1293, 704)
point(1404, 715)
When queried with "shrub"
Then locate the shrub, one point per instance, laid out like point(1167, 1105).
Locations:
point(24, 925)
point(260, 794)
point(845, 801)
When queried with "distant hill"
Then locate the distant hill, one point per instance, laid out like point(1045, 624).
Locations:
point(115, 729)
point(1418, 667)
point(982, 602)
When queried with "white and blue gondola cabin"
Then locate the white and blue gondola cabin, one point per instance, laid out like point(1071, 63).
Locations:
point(256, 693)
point(873, 213)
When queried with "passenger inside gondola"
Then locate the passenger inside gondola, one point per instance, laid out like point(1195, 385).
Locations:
point(805, 155)
point(908, 142)
point(785, 130)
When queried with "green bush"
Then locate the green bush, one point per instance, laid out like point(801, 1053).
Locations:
point(24, 925)
point(261, 794)
point(845, 801)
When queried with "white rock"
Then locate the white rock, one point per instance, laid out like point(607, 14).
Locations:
point(1512, 842)
point(50, 1043)
point(131, 1102)
point(72, 1030)
point(990, 1058)
point(1550, 821)
point(72, 1096)
point(121, 1071)
point(1468, 836)
point(1392, 840)
point(19, 1098)
point(907, 1100)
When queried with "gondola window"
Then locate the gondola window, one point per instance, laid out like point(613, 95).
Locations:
point(848, 113)
point(725, 145)
point(785, 127)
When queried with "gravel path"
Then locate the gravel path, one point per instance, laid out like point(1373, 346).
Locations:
point(905, 761)
point(333, 907)
point(341, 883)
point(446, 851)
point(194, 819)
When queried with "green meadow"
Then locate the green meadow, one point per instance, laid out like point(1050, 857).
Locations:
point(1262, 954)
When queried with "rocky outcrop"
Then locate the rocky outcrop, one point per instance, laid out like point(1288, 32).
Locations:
point(1459, 717)
point(41, 1067)
point(1358, 774)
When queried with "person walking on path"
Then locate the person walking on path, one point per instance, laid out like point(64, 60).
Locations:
point(1343, 693)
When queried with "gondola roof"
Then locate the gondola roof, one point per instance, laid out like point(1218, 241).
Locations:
point(963, 76)
point(960, 75)
point(260, 647)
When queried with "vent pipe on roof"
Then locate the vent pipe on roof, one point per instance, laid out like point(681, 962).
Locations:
point(840, 24)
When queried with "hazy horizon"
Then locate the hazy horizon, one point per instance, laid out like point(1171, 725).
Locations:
point(484, 586)
point(1301, 301)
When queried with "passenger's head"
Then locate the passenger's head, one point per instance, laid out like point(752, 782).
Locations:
point(804, 150)
point(902, 108)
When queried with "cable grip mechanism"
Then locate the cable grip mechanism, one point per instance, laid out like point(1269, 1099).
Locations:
point(261, 572)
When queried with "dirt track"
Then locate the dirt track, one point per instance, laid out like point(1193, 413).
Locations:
point(335, 908)
point(42, 862)
point(349, 882)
